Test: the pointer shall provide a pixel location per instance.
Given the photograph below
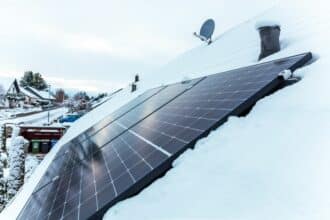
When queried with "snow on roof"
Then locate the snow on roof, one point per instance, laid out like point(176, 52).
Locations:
point(28, 93)
point(42, 94)
point(273, 163)
point(266, 23)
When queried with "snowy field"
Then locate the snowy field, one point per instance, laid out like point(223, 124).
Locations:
point(271, 164)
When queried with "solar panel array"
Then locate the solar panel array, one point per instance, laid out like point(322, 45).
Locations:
point(127, 150)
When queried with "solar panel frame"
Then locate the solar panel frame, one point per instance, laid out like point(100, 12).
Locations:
point(163, 167)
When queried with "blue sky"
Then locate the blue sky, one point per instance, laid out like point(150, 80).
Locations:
point(99, 45)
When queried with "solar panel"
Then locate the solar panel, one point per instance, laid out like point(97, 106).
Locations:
point(114, 115)
point(208, 104)
point(124, 109)
point(140, 112)
point(77, 150)
point(150, 137)
point(54, 169)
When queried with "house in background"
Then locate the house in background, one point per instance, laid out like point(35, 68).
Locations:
point(17, 96)
point(14, 98)
point(29, 97)
point(45, 97)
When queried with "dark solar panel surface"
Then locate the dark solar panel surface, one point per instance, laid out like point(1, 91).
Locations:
point(76, 150)
point(140, 112)
point(114, 115)
point(124, 109)
point(88, 185)
point(139, 146)
point(209, 103)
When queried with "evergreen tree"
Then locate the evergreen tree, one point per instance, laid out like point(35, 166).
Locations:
point(39, 82)
point(34, 80)
point(27, 79)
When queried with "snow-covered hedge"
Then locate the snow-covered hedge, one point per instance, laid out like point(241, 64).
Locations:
point(16, 166)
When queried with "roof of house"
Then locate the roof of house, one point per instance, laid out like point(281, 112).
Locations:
point(41, 94)
point(28, 93)
point(15, 84)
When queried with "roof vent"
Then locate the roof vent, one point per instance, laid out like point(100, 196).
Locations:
point(269, 33)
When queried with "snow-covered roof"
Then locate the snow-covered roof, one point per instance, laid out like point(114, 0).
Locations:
point(13, 87)
point(266, 23)
point(273, 163)
point(41, 94)
point(28, 93)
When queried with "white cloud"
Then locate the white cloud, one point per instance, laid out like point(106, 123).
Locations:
point(85, 85)
point(133, 44)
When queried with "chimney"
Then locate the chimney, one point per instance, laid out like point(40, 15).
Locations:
point(270, 39)
point(133, 87)
point(136, 78)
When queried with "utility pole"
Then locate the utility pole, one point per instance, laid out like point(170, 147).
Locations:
point(48, 103)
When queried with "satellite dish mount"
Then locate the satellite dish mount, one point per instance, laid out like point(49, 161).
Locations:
point(207, 29)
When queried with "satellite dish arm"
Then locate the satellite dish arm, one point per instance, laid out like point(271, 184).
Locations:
point(209, 41)
point(200, 37)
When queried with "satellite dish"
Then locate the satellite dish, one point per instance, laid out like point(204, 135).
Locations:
point(207, 29)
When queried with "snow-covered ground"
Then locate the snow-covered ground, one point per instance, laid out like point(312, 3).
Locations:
point(10, 113)
point(271, 164)
point(38, 118)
